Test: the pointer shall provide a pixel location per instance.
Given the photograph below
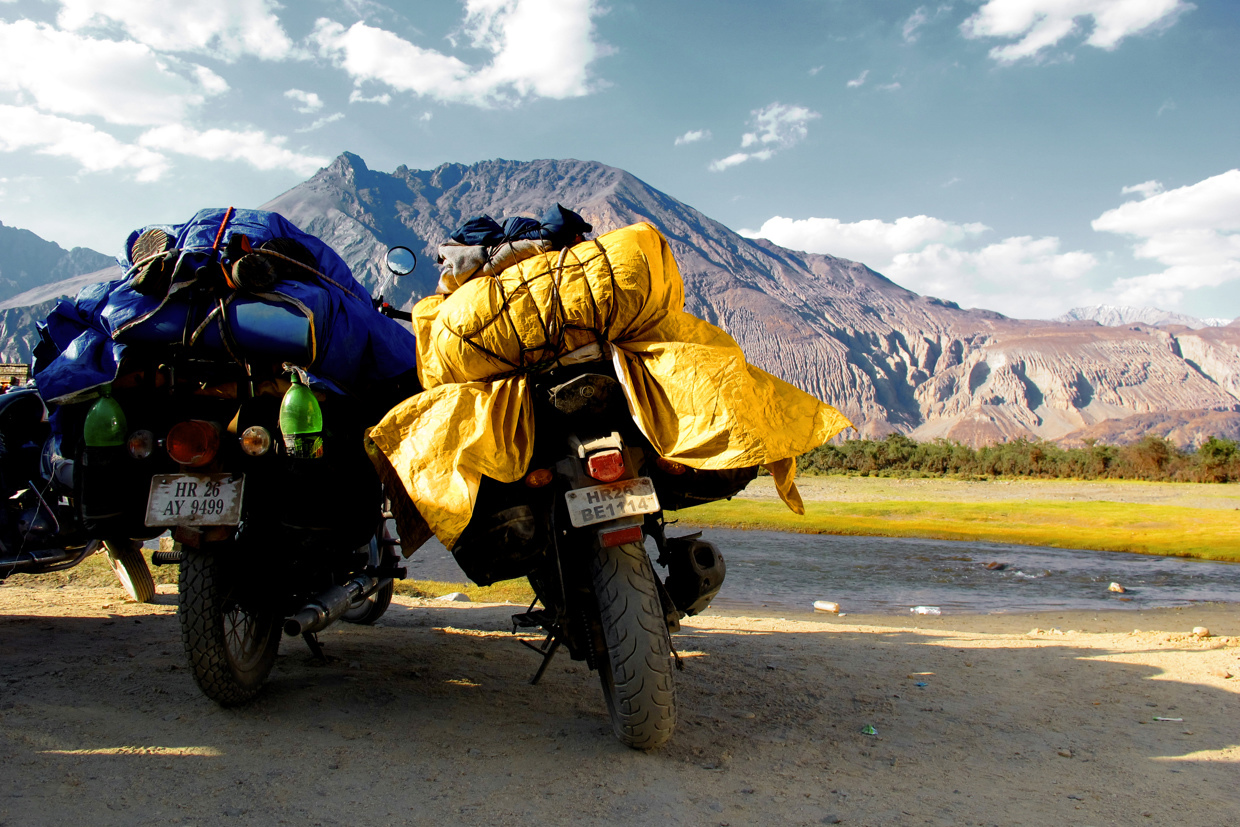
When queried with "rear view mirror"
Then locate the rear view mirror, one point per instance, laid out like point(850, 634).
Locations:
point(400, 261)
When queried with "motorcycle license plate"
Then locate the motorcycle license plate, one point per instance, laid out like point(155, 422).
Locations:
point(601, 503)
point(195, 499)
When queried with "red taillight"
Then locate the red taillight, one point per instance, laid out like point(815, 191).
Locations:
point(606, 466)
point(620, 536)
point(193, 442)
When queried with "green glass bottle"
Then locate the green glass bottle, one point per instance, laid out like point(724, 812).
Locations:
point(105, 425)
point(301, 421)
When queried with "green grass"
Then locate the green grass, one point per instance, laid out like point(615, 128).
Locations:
point(92, 572)
point(1210, 534)
point(507, 591)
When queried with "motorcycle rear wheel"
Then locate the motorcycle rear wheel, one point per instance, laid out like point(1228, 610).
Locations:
point(125, 558)
point(372, 607)
point(635, 665)
point(231, 648)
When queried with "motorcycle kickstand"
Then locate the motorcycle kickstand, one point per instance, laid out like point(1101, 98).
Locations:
point(316, 649)
point(547, 650)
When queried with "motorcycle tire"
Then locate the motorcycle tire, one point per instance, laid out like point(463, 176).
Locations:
point(231, 648)
point(635, 665)
point(125, 558)
point(370, 608)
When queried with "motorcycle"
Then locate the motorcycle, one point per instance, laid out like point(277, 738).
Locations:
point(212, 431)
point(576, 526)
point(40, 528)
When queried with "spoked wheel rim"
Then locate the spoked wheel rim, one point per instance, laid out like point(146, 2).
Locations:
point(245, 637)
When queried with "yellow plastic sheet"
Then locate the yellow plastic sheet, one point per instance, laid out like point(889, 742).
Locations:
point(689, 388)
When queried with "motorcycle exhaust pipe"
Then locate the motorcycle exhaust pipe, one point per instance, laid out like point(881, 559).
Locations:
point(326, 608)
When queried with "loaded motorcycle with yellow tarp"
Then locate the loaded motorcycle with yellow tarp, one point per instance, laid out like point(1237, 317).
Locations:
point(569, 399)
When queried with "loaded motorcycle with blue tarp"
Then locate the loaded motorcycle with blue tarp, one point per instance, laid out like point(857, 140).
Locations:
point(221, 391)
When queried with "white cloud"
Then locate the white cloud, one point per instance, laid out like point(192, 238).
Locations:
point(1038, 25)
point(693, 136)
point(310, 102)
point(776, 127)
point(322, 122)
point(254, 147)
point(426, 117)
point(120, 81)
point(356, 96)
point(890, 87)
point(728, 162)
point(874, 242)
point(859, 80)
point(931, 256)
point(779, 126)
point(1192, 231)
point(916, 20)
point(1145, 190)
point(224, 29)
point(539, 48)
point(22, 127)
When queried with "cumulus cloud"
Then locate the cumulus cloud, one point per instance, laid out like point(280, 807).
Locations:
point(120, 81)
point(1015, 276)
point(224, 29)
point(539, 48)
point(1192, 231)
point(693, 136)
point(935, 257)
point(775, 127)
point(254, 147)
point(310, 102)
point(22, 127)
point(1039, 25)
point(871, 241)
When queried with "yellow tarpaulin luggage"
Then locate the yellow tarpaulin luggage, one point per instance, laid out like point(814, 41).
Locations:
point(688, 386)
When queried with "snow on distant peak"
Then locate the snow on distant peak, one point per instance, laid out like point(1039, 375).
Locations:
point(1112, 316)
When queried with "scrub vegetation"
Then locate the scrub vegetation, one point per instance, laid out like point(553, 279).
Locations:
point(1153, 458)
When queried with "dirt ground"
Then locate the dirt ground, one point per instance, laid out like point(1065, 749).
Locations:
point(428, 718)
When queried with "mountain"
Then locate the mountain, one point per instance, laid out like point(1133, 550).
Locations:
point(1112, 316)
point(27, 261)
point(894, 361)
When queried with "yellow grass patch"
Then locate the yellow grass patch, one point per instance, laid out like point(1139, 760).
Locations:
point(1211, 534)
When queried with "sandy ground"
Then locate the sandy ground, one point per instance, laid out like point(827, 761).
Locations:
point(428, 718)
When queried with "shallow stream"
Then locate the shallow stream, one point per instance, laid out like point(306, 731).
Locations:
point(782, 573)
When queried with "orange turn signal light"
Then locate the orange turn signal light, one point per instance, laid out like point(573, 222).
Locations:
point(668, 466)
point(539, 478)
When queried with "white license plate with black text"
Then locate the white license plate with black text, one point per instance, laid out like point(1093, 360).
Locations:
point(195, 499)
point(600, 503)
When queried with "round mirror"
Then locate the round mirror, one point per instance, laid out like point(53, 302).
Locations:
point(401, 261)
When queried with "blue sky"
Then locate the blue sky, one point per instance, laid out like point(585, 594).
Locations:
point(1026, 156)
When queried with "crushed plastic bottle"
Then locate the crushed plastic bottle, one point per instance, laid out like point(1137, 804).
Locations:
point(926, 610)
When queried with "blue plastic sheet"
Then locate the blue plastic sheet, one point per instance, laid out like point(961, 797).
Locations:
point(327, 319)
